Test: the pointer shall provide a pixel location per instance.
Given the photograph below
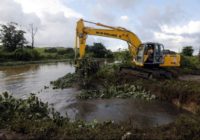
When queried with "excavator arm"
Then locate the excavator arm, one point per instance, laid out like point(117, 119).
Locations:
point(113, 32)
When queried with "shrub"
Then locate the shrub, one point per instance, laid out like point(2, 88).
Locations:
point(26, 54)
point(185, 62)
point(50, 50)
point(187, 50)
point(98, 50)
point(68, 52)
point(6, 55)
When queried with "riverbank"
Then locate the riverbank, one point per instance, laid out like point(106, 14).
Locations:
point(184, 94)
point(21, 56)
point(17, 63)
point(32, 119)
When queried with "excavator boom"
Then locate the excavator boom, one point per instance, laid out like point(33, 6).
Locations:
point(112, 32)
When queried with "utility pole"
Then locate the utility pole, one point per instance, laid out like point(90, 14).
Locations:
point(33, 30)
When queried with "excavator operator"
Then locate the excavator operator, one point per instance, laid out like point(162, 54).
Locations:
point(150, 54)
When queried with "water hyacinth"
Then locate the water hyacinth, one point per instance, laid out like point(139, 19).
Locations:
point(119, 91)
point(65, 82)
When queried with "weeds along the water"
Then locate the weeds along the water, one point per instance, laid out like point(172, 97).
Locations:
point(102, 84)
point(119, 91)
point(34, 119)
point(65, 82)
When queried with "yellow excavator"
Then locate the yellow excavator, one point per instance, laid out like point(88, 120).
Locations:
point(150, 58)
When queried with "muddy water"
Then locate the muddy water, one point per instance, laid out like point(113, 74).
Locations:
point(22, 80)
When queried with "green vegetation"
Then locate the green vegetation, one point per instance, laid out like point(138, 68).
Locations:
point(187, 51)
point(117, 91)
point(98, 50)
point(123, 55)
point(56, 53)
point(189, 65)
point(103, 84)
point(35, 54)
point(11, 37)
point(33, 119)
point(14, 47)
point(65, 82)
point(199, 55)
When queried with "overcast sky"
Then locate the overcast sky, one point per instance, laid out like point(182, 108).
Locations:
point(175, 23)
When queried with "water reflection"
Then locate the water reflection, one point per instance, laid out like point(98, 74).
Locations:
point(140, 112)
point(22, 80)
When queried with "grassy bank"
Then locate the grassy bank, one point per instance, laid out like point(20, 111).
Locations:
point(16, 63)
point(32, 119)
point(22, 56)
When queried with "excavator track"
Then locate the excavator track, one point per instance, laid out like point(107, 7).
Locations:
point(148, 73)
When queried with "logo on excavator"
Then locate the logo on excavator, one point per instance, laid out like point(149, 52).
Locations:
point(107, 34)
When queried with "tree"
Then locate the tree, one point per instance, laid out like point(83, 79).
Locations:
point(187, 50)
point(11, 37)
point(98, 50)
point(33, 30)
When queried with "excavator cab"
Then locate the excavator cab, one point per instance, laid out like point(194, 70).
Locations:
point(150, 54)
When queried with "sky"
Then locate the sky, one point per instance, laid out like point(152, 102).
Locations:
point(174, 23)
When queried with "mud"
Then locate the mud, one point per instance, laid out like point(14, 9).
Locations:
point(190, 78)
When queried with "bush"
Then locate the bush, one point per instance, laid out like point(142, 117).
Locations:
point(65, 82)
point(187, 50)
point(68, 52)
point(50, 50)
point(31, 108)
point(185, 62)
point(98, 50)
point(6, 56)
point(190, 65)
point(26, 54)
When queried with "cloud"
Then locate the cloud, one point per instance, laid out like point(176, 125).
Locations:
point(100, 14)
point(56, 30)
point(55, 21)
point(190, 28)
point(182, 35)
point(168, 26)
point(47, 6)
point(12, 12)
point(124, 18)
point(154, 17)
point(123, 4)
